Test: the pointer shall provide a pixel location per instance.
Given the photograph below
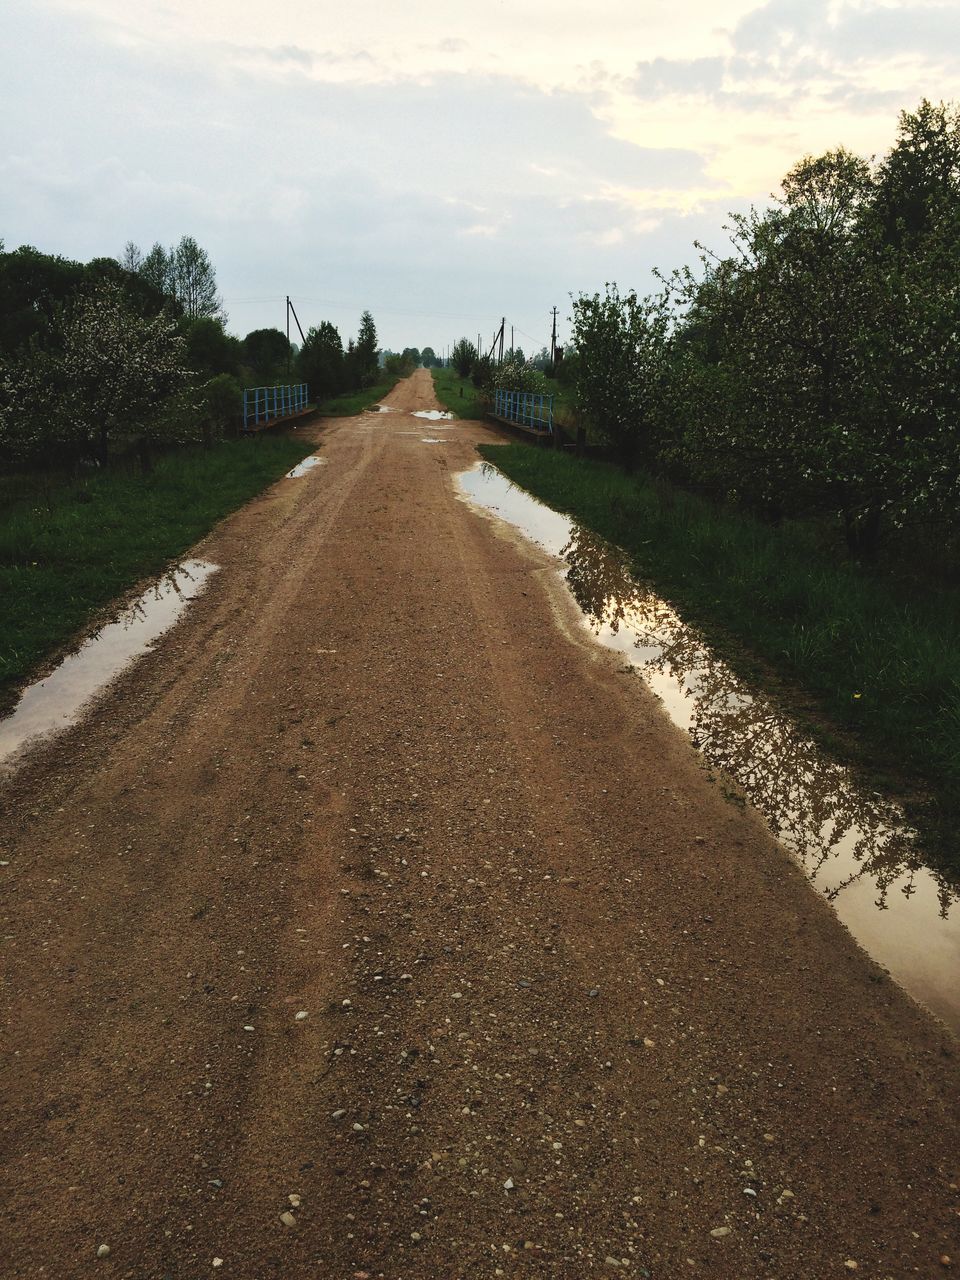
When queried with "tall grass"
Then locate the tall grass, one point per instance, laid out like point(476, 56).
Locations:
point(353, 402)
point(457, 394)
point(880, 659)
point(68, 547)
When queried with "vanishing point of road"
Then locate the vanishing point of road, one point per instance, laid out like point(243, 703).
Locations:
point(377, 923)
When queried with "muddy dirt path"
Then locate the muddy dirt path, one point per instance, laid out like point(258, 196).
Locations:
point(378, 924)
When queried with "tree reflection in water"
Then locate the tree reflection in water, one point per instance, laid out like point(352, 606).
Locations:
point(813, 805)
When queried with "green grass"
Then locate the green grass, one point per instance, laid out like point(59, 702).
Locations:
point(878, 660)
point(457, 394)
point(354, 402)
point(67, 548)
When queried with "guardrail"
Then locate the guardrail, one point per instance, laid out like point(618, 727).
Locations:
point(262, 405)
point(528, 409)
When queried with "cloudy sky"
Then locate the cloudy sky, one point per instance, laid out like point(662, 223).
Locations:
point(442, 164)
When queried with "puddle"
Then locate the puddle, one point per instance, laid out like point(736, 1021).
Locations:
point(855, 846)
point(306, 465)
point(432, 415)
point(56, 702)
point(382, 408)
point(430, 440)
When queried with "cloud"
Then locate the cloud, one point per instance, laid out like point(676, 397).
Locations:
point(440, 178)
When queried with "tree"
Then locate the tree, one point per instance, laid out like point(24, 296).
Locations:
point(321, 361)
point(463, 356)
point(367, 362)
point(919, 179)
point(412, 356)
point(194, 282)
point(107, 371)
point(622, 348)
point(157, 269)
point(210, 349)
point(132, 258)
point(428, 358)
point(267, 353)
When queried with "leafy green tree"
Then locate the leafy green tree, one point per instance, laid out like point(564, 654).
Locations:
point(157, 269)
point(221, 402)
point(412, 356)
point(428, 358)
point(267, 354)
point(321, 362)
point(919, 180)
point(194, 280)
point(210, 349)
point(463, 356)
point(621, 378)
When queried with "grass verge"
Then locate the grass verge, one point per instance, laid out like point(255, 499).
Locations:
point(880, 661)
point(354, 402)
point(457, 394)
point(67, 548)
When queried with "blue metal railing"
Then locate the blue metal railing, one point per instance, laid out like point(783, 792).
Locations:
point(525, 408)
point(268, 404)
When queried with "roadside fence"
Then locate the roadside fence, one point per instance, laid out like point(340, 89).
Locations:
point(528, 409)
point(263, 405)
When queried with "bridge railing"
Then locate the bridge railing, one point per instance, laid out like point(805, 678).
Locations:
point(262, 405)
point(529, 409)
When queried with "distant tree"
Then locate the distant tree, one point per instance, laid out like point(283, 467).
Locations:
point(157, 270)
point(463, 356)
point(428, 358)
point(266, 353)
point(321, 363)
point(132, 258)
point(194, 280)
point(367, 362)
point(210, 349)
point(412, 356)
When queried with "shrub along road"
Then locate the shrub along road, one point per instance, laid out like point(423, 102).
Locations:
point(567, 1011)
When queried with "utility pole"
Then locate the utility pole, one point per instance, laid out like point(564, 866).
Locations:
point(503, 326)
point(553, 339)
point(288, 335)
point(512, 347)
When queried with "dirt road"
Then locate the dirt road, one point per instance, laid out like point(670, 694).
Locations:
point(568, 1011)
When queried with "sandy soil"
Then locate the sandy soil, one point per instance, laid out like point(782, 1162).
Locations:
point(568, 1011)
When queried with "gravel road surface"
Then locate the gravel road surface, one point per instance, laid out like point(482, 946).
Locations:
point(378, 923)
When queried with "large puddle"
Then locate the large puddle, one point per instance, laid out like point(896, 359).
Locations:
point(854, 845)
point(57, 701)
point(432, 415)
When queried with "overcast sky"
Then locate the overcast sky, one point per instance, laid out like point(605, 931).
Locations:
point(442, 164)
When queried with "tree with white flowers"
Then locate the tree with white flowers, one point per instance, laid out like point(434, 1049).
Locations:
point(104, 373)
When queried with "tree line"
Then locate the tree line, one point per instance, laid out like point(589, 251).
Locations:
point(812, 368)
point(130, 352)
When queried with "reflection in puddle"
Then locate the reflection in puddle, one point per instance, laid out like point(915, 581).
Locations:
point(432, 415)
point(382, 408)
point(57, 701)
point(430, 440)
point(855, 846)
point(306, 465)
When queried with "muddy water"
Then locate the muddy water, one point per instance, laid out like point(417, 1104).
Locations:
point(854, 845)
point(306, 465)
point(54, 703)
point(432, 415)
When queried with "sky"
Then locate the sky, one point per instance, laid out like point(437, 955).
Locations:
point(440, 164)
